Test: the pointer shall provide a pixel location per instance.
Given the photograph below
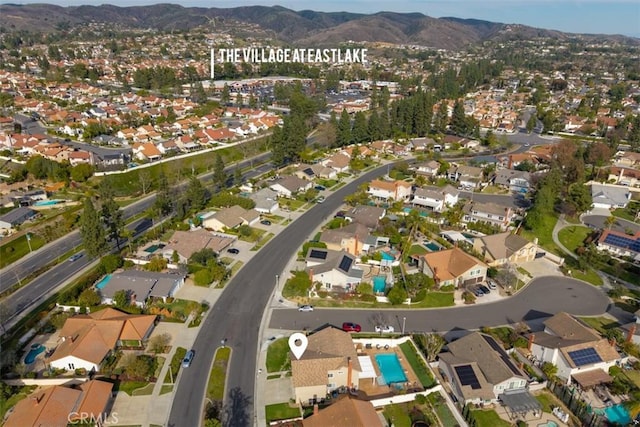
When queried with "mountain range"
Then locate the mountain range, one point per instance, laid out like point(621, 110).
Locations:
point(305, 28)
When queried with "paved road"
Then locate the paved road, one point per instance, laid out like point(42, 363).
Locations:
point(598, 221)
point(543, 297)
point(36, 290)
point(237, 316)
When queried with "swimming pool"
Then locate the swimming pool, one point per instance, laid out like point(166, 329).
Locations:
point(151, 249)
point(387, 256)
point(379, 284)
point(36, 349)
point(618, 414)
point(390, 368)
point(47, 202)
point(431, 246)
point(549, 424)
point(102, 283)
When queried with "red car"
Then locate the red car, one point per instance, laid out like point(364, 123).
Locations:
point(351, 327)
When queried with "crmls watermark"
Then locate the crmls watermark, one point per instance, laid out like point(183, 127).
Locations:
point(88, 417)
point(272, 55)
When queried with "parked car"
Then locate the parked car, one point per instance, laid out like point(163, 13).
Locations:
point(188, 358)
point(233, 251)
point(476, 291)
point(320, 199)
point(385, 329)
point(75, 257)
point(265, 222)
point(305, 308)
point(484, 289)
point(351, 327)
point(320, 187)
point(340, 214)
point(492, 285)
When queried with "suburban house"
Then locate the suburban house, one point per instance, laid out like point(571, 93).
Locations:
point(346, 411)
point(610, 196)
point(438, 199)
point(16, 217)
point(338, 162)
point(318, 170)
point(514, 180)
point(337, 272)
point(140, 286)
point(369, 216)
point(579, 352)
point(88, 338)
point(429, 168)
point(421, 144)
point(632, 329)
point(452, 267)
point(491, 213)
point(466, 176)
point(620, 244)
point(62, 406)
point(480, 371)
point(504, 248)
point(288, 186)
point(351, 238)
point(624, 176)
point(230, 218)
point(329, 363)
point(185, 243)
point(394, 190)
point(266, 200)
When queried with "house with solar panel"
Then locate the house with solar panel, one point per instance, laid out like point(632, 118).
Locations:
point(479, 370)
point(580, 353)
point(620, 244)
point(335, 270)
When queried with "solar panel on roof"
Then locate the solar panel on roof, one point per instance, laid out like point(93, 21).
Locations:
point(623, 242)
point(318, 254)
point(585, 356)
point(345, 264)
point(467, 376)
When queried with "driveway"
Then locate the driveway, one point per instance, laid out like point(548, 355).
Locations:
point(542, 267)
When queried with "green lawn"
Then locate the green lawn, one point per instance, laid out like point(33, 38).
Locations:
point(166, 389)
point(176, 363)
point(398, 415)
point(436, 299)
point(417, 364)
point(17, 248)
point(574, 236)
point(544, 234)
point(278, 356)
point(143, 391)
point(417, 250)
point(489, 418)
point(624, 214)
point(130, 387)
point(218, 375)
point(634, 376)
point(547, 400)
point(442, 410)
point(600, 324)
point(589, 276)
point(281, 411)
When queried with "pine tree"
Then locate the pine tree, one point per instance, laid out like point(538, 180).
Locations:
point(196, 194)
point(219, 176)
point(359, 132)
point(111, 213)
point(373, 126)
point(225, 96)
point(344, 129)
point(92, 231)
point(163, 204)
point(458, 119)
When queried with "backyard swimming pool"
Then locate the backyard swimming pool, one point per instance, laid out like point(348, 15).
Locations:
point(151, 249)
point(618, 415)
point(379, 284)
point(36, 349)
point(102, 283)
point(390, 368)
point(47, 202)
point(431, 246)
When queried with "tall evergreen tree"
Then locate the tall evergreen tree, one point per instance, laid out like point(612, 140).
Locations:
point(344, 129)
point(359, 132)
point(163, 203)
point(458, 119)
point(219, 176)
point(111, 213)
point(92, 231)
point(373, 126)
point(225, 96)
point(196, 194)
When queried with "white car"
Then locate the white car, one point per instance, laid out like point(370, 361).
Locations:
point(305, 308)
point(384, 329)
point(492, 285)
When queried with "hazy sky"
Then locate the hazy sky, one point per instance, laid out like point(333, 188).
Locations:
point(579, 16)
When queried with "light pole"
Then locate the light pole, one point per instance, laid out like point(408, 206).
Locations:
point(29, 241)
point(404, 321)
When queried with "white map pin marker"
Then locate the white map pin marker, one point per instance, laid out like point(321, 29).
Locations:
point(298, 349)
